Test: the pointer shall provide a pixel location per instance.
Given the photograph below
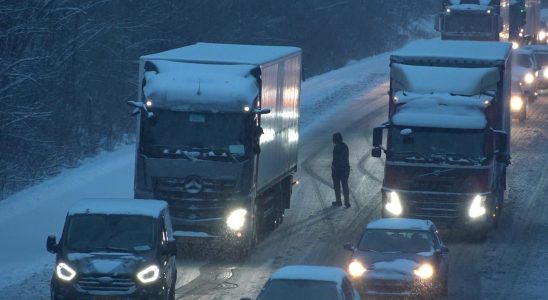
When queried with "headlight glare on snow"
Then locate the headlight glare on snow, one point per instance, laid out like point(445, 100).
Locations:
point(64, 272)
point(356, 268)
point(149, 274)
point(393, 205)
point(529, 78)
point(425, 271)
point(236, 219)
point(516, 103)
point(477, 208)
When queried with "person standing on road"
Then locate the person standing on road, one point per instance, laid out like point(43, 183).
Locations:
point(340, 170)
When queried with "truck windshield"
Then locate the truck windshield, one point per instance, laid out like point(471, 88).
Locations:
point(458, 23)
point(405, 241)
point(542, 59)
point(436, 145)
point(116, 233)
point(524, 60)
point(203, 136)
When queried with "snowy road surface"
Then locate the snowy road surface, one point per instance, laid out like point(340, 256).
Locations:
point(352, 100)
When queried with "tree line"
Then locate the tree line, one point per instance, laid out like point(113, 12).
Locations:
point(67, 67)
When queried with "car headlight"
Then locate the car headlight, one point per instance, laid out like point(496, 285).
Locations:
point(356, 268)
point(393, 205)
point(477, 208)
point(529, 78)
point(545, 73)
point(542, 35)
point(515, 45)
point(64, 272)
point(425, 271)
point(516, 103)
point(149, 274)
point(236, 219)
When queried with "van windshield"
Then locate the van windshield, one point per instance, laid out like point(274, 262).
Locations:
point(115, 233)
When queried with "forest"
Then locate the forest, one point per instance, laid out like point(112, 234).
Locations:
point(67, 67)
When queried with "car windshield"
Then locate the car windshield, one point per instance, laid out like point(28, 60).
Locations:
point(523, 60)
point(436, 145)
point(117, 233)
point(458, 22)
point(386, 240)
point(189, 135)
point(282, 289)
point(542, 59)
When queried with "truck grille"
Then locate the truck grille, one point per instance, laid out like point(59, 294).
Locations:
point(204, 200)
point(440, 208)
point(105, 283)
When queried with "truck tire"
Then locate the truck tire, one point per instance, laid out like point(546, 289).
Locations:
point(523, 115)
point(252, 240)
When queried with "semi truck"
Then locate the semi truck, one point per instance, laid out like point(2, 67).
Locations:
point(447, 142)
point(470, 20)
point(217, 138)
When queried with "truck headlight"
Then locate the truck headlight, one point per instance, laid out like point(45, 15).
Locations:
point(393, 205)
point(425, 271)
point(149, 274)
point(477, 208)
point(516, 103)
point(356, 268)
point(236, 219)
point(64, 272)
point(545, 73)
point(529, 78)
point(515, 45)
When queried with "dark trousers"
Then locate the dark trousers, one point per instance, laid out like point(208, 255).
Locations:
point(341, 178)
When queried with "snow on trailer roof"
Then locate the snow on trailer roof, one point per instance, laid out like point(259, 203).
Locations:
point(200, 87)
point(441, 110)
point(400, 224)
point(443, 52)
point(225, 53)
point(304, 272)
point(116, 206)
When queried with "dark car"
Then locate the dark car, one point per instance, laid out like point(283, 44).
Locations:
point(400, 257)
point(308, 282)
point(115, 249)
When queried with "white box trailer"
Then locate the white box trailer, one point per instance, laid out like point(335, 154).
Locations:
point(218, 136)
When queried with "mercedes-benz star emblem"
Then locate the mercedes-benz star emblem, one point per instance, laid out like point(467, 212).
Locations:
point(193, 184)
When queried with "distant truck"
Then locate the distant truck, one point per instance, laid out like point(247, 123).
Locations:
point(447, 145)
point(217, 138)
point(470, 20)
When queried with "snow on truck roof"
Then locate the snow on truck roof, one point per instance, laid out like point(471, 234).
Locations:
point(225, 53)
point(483, 53)
point(400, 224)
point(200, 87)
point(440, 110)
point(429, 79)
point(115, 206)
point(302, 272)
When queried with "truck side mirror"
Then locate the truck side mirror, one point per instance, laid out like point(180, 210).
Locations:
point(51, 244)
point(501, 141)
point(376, 152)
point(437, 22)
point(261, 111)
point(377, 137)
point(171, 247)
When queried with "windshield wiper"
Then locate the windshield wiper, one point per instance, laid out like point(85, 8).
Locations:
point(109, 248)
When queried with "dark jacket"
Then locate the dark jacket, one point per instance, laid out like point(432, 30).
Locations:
point(340, 162)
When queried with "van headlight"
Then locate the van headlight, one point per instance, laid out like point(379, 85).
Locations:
point(425, 271)
point(149, 274)
point(477, 208)
point(236, 219)
point(64, 272)
point(529, 78)
point(516, 103)
point(356, 268)
point(393, 205)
